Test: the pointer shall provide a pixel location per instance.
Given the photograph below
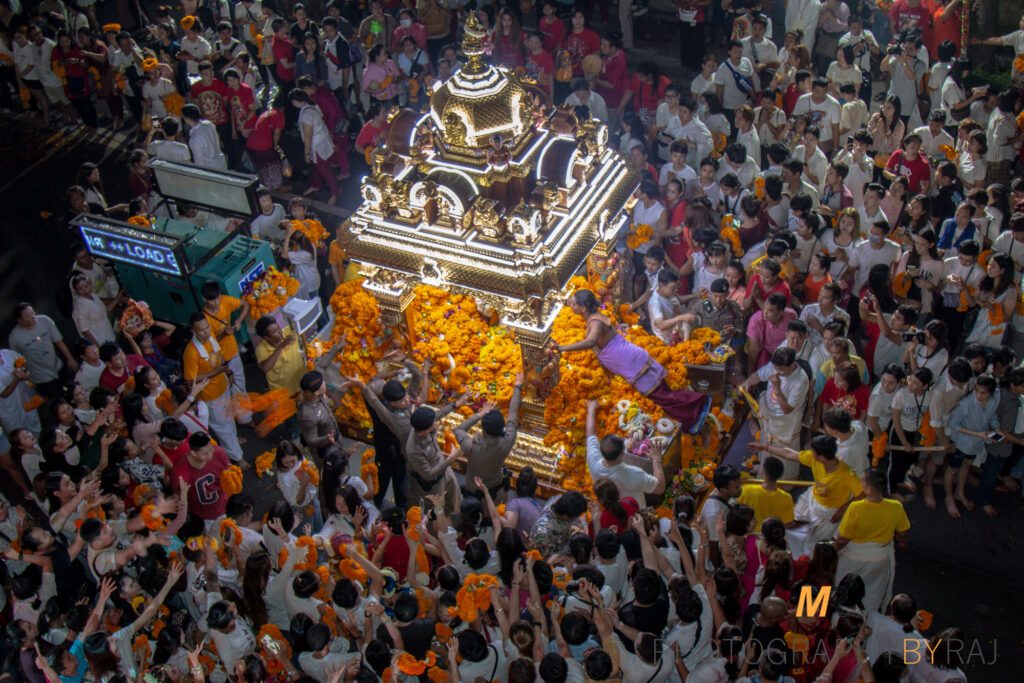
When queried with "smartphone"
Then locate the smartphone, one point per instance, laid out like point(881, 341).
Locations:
point(995, 436)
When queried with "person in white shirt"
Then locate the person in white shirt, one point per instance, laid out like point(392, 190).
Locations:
point(677, 166)
point(687, 127)
point(582, 94)
point(203, 140)
point(746, 134)
point(90, 367)
point(782, 403)
point(1011, 243)
point(164, 144)
point(734, 78)
point(814, 159)
point(319, 660)
point(852, 440)
point(877, 248)
point(194, 48)
point(1001, 135)
point(759, 50)
point(769, 119)
point(705, 80)
point(864, 45)
point(605, 459)
point(154, 90)
point(802, 15)
point(933, 135)
point(90, 314)
point(792, 176)
point(824, 311)
point(853, 114)
point(737, 161)
point(824, 110)
point(663, 308)
point(870, 211)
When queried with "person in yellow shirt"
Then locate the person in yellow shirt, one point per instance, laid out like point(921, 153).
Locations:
point(201, 360)
point(865, 540)
point(218, 309)
point(338, 259)
point(280, 358)
point(835, 487)
point(766, 498)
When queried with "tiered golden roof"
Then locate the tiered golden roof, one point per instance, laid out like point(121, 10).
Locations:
point(491, 192)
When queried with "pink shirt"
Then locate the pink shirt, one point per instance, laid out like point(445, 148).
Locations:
point(418, 33)
point(769, 336)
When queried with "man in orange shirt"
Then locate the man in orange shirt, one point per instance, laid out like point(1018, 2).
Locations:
point(218, 309)
point(203, 360)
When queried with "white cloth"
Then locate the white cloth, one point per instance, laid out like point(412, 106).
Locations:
point(697, 137)
point(598, 107)
point(824, 114)
point(631, 481)
point(864, 256)
point(154, 93)
point(732, 96)
point(876, 564)
point(819, 527)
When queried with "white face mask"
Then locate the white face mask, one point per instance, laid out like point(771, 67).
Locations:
point(406, 23)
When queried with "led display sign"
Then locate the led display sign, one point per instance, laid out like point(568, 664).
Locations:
point(146, 249)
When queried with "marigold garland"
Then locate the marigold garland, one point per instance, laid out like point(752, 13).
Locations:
point(443, 632)
point(265, 463)
point(948, 152)
point(437, 675)
point(141, 494)
point(640, 235)
point(411, 666)
point(927, 431)
point(352, 571)
point(901, 284)
point(879, 444)
point(1018, 63)
point(313, 230)
point(310, 563)
point(309, 468)
point(963, 306)
point(729, 231)
point(229, 532)
point(269, 291)
point(474, 596)
point(274, 665)
point(720, 142)
point(153, 520)
point(231, 480)
point(996, 316)
point(366, 341)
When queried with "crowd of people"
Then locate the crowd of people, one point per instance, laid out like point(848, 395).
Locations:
point(831, 192)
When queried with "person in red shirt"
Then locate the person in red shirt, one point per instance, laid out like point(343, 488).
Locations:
point(947, 24)
point(242, 107)
point(539, 64)
point(766, 282)
point(370, 134)
point(173, 443)
point(508, 38)
point(648, 88)
point(611, 83)
point(910, 14)
point(70, 57)
point(845, 390)
point(801, 86)
point(390, 548)
point(210, 95)
point(580, 42)
point(200, 469)
point(551, 27)
point(263, 141)
point(284, 55)
point(120, 368)
point(910, 163)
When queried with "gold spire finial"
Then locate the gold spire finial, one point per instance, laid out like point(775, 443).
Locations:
point(473, 43)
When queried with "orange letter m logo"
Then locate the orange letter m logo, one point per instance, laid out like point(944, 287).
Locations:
point(809, 606)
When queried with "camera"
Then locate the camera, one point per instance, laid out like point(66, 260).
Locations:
point(894, 50)
point(914, 334)
point(572, 587)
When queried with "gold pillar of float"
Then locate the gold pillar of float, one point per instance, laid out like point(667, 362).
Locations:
point(492, 194)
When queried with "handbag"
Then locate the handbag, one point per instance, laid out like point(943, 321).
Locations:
point(743, 83)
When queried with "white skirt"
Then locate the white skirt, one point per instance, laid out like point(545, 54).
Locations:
point(875, 563)
point(819, 527)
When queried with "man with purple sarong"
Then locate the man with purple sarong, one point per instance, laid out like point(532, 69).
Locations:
point(634, 364)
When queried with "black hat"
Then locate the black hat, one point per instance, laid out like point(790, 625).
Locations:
point(493, 423)
point(311, 381)
point(422, 418)
point(393, 391)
